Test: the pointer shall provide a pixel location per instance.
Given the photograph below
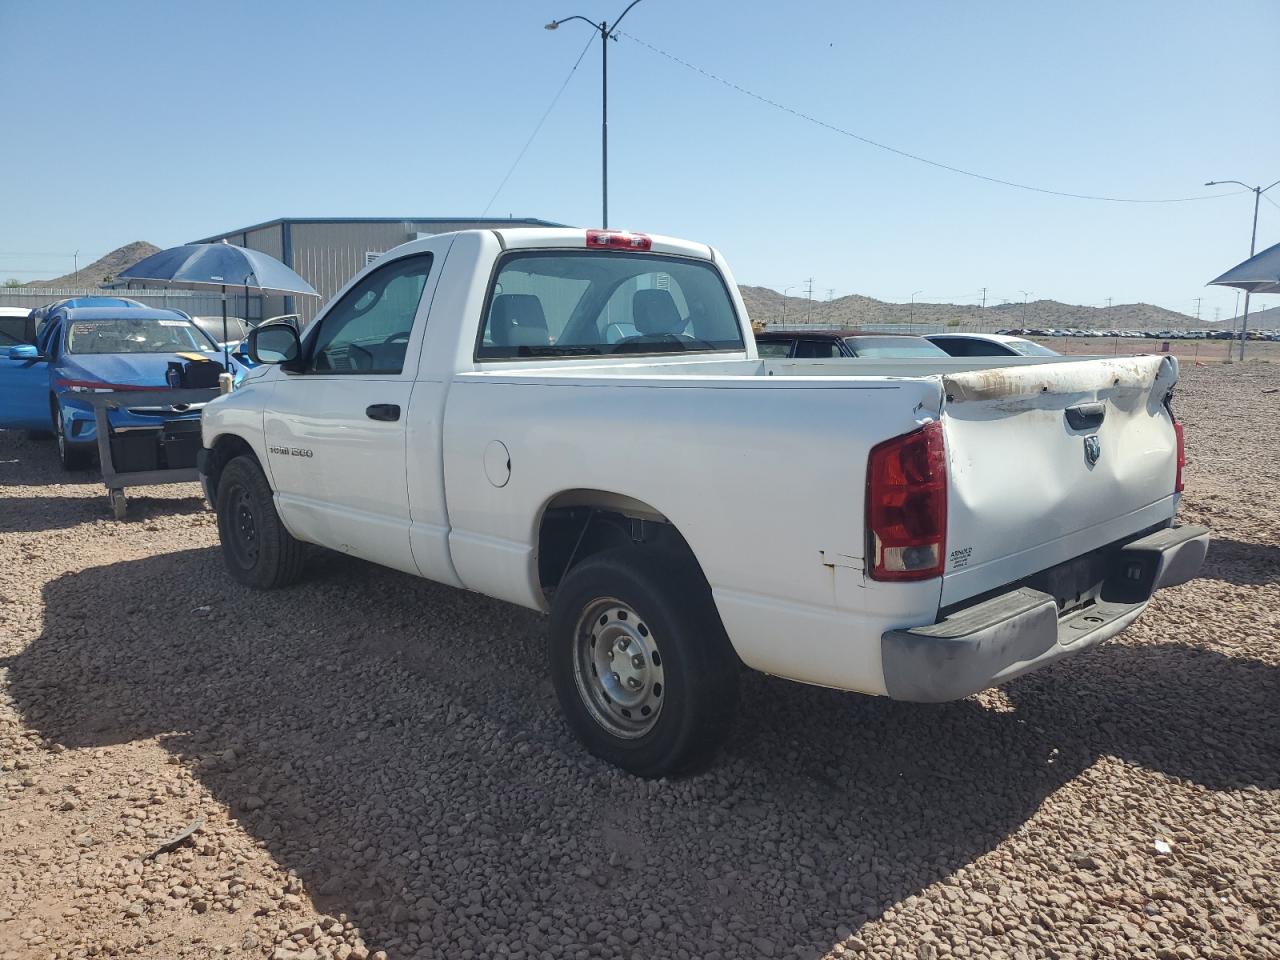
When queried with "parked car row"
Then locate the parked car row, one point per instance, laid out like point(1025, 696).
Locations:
point(1216, 334)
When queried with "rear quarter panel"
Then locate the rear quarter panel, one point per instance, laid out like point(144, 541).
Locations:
point(764, 477)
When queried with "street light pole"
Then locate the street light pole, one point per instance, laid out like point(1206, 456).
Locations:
point(607, 33)
point(1024, 308)
point(1257, 192)
point(784, 302)
point(911, 313)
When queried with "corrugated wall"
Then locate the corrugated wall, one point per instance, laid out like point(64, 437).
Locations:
point(327, 255)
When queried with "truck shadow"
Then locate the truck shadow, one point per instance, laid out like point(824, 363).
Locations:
point(1242, 563)
point(407, 746)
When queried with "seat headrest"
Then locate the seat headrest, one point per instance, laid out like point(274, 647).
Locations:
point(655, 311)
point(517, 320)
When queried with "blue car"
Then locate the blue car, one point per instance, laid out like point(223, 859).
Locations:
point(83, 350)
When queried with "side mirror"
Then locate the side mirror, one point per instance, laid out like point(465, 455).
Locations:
point(24, 351)
point(275, 343)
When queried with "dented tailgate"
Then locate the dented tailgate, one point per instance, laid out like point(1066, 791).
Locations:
point(1050, 461)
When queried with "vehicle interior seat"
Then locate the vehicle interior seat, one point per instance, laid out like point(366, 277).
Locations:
point(654, 313)
point(518, 320)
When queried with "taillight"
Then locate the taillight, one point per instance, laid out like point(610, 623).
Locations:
point(618, 240)
point(1182, 457)
point(907, 506)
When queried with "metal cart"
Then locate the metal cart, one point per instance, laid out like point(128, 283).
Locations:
point(116, 481)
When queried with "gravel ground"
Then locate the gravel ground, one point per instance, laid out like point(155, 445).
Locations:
point(375, 765)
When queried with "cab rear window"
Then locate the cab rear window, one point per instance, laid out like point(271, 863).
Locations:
point(584, 303)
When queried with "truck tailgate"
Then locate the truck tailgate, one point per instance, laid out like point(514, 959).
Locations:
point(1048, 462)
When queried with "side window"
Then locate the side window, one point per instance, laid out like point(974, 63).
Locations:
point(367, 331)
point(816, 349)
point(773, 348)
point(49, 340)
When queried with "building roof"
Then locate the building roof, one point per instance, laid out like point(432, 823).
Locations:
point(507, 221)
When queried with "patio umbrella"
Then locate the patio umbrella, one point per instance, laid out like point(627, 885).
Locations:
point(1259, 274)
point(216, 266)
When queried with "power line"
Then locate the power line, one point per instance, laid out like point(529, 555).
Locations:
point(546, 113)
point(903, 153)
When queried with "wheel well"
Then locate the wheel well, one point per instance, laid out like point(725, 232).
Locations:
point(225, 449)
point(579, 523)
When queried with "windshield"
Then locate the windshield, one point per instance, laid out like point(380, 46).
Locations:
point(579, 303)
point(893, 348)
point(1029, 349)
point(149, 335)
point(237, 329)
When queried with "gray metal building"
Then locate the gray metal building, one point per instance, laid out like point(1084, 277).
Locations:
point(329, 251)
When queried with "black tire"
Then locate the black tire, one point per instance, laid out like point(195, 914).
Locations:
point(72, 456)
point(675, 614)
point(257, 549)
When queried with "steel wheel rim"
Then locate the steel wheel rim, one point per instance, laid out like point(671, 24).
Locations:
point(618, 668)
point(242, 527)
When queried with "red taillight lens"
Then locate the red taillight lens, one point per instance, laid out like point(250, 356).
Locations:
point(1182, 457)
point(618, 240)
point(907, 506)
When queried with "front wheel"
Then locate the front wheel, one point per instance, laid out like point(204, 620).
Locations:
point(72, 455)
point(642, 668)
point(258, 550)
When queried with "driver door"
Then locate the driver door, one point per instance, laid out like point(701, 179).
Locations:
point(335, 431)
point(24, 392)
point(25, 386)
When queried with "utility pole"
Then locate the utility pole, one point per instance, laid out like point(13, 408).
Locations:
point(1198, 309)
point(1108, 303)
point(808, 310)
point(607, 32)
point(1257, 192)
point(1025, 294)
point(984, 298)
point(831, 292)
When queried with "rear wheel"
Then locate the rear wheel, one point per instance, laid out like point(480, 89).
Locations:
point(258, 550)
point(643, 670)
point(73, 456)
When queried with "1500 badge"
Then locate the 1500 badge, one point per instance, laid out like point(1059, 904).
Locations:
point(290, 451)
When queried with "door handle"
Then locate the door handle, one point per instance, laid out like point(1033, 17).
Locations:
point(1086, 416)
point(383, 411)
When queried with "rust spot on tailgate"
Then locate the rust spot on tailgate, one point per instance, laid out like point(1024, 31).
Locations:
point(1085, 376)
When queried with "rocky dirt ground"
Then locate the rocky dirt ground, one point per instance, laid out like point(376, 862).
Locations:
point(375, 765)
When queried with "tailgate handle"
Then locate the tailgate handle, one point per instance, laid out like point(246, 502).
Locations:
point(1086, 416)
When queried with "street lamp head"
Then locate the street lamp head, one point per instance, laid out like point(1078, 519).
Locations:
point(553, 25)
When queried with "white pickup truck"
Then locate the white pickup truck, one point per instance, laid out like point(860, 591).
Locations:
point(577, 421)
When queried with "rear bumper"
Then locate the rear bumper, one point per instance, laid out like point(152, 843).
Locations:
point(999, 638)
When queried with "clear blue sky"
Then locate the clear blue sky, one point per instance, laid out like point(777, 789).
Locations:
point(168, 121)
